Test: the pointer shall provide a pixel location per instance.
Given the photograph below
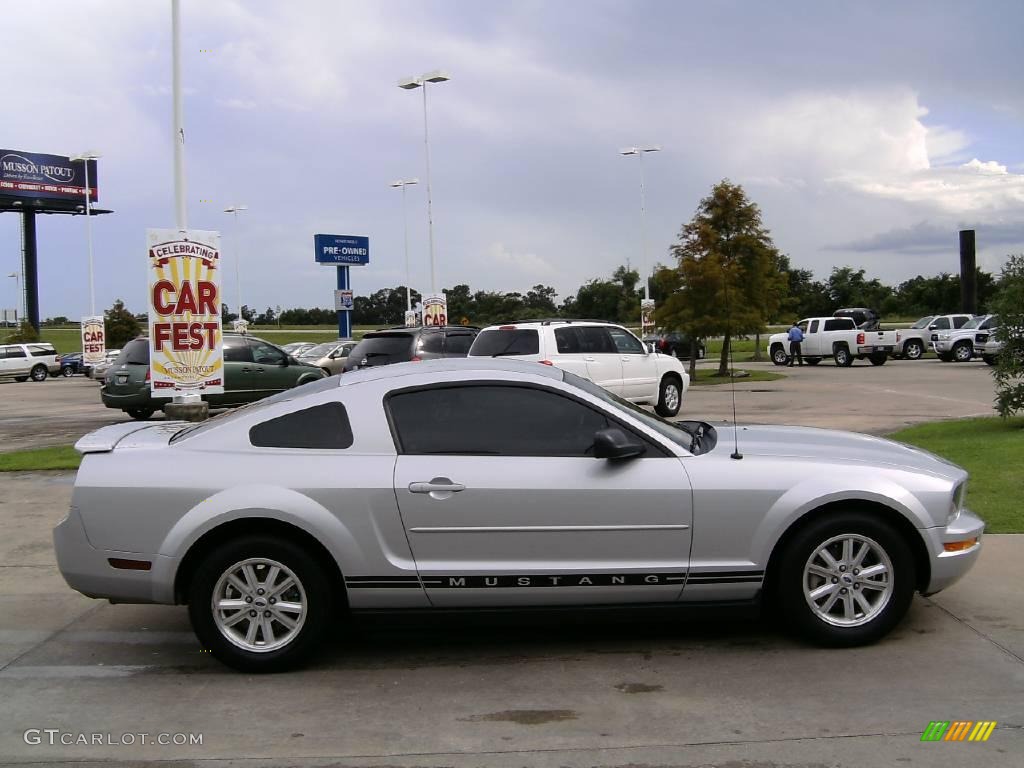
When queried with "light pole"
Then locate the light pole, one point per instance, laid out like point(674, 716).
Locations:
point(640, 152)
point(410, 83)
point(403, 183)
point(17, 289)
point(85, 157)
point(234, 209)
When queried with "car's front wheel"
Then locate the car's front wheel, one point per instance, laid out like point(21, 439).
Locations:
point(963, 352)
point(39, 373)
point(846, 579)
point(260, 604)
point(779, 356)
point(141, 413)
point(670, 397)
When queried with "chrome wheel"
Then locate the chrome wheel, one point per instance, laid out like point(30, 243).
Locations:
point(913, 351)
point(259, 605)
point(962, 352)
point(670, 397)
point(848, 580)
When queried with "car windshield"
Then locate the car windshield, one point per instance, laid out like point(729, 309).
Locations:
point(320, 350)
point(674, 432)
point(924, 322)
point(381, 348)
point(974, 322)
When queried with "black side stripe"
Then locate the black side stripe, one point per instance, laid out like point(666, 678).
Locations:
point(523, 580)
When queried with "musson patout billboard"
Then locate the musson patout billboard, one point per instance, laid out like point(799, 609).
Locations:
point(54, 177)
point(186, 346)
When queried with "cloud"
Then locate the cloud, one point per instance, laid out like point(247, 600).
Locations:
point(526, 264)
point(930, 237)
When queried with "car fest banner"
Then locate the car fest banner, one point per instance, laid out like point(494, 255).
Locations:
point(94, 343)
point(186, 345)
point(435, 309)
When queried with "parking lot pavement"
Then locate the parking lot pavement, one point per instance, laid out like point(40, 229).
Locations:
point(656, 693)
point(862, 398)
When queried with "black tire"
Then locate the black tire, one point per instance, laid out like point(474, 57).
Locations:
point(812, 360)
point(67, 371)
point(990, 359)
point(913, 350)
point(670, 396)
point(842, 355)
point(39, 373)
point(315, 588)
point(140, 412)
point(779, 356)
point(945, 357)
point(962, 352)
point(878, 358)
point(794, 602)
point(21, 378)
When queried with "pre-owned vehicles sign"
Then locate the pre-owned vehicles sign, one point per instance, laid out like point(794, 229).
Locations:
point(94, 343)
point(186, 349)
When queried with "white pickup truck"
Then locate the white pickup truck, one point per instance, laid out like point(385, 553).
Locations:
point(835, 337)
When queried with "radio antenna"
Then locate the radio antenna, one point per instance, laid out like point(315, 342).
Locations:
point(732, 369)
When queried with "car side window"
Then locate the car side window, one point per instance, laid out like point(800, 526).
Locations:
point(265, 354)
point(814, 326)
point(432, 343)
point(458, 343)
point(493, 420)
point(16, 352)
point(237, 352)
point(322, 426)
point(625, 342)
point(839, 324)
point(942, 324)
point(960, 320)
point(595, 340)
point(567, 341)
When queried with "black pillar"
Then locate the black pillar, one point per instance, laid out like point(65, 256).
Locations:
point(30, 267)
point(968, 273)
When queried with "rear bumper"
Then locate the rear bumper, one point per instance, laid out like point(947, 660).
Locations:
point(871, 349)
point(949, 567)
point(88, 570)
point(129, 400)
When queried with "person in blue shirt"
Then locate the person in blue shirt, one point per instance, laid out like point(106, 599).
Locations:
point(796, 337)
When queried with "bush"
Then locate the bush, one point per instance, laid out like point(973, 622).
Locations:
point(1009, 371)
point(25, 334)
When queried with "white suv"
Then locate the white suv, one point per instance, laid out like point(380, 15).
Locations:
point(605, 353)
point(21, 361)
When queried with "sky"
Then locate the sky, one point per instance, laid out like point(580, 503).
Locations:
point(868, 134)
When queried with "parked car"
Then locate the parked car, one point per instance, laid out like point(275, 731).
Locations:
point(33, 361)
point(497, 484)
point(959, 345)
point(988, 346)
point(330, 356)
point(677, 344)
point(604, 353)
point(835, 337)
point(71, 364)
point(865, 319)
point(253, 369)
point(912, 342)
point(99, 370)
point(296, 348)
point(402, 345)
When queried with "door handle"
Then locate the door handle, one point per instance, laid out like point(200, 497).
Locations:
point(625, 359)
point(247, 370)
point(589, 359)
point(438, 488)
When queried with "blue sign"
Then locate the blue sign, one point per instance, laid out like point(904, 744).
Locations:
point(342, 249)
point(33, 175)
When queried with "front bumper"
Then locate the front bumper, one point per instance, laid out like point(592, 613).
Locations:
point(948, 567)
point(88, 570)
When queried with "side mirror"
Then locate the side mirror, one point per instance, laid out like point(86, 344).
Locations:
point(933, 327)
point(613, 443)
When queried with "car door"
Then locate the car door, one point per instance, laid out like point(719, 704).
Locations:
point(270, 368)
point(811, 345)
point(16, 362)
point(639, 369)
point(568, 352)
point(504, 504)
point(604, 365)
point(239, 385)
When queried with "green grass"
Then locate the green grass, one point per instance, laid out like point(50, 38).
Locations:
point(992, 450)
point(707, 377)
point(58, 457)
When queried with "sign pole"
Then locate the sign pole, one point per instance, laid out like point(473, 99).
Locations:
point(180, 208)
point(344, 317)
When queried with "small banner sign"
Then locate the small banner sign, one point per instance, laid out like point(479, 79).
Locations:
point(186, 345)
point(435, 309)
point(94, 340)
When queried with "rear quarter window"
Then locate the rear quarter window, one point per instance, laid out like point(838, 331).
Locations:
point(497, 342)
point(323, 426)
point(839, 324)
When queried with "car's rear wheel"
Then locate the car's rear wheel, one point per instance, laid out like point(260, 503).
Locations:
point(913, 350)
point(963, 352)
point(989, 359)
point(39, 373)
point(260, 604)
point(779, 356)
point(140, 412)
point(67, 371)
point(846, 579)
point(878, 358)
point(843, 357)
point(670, 396)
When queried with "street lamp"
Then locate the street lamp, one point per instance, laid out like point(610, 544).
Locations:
point(411, 83)
point(17, 289)
point(640, 152)
point(85, 157)
point(403, 183)
point(234, 209)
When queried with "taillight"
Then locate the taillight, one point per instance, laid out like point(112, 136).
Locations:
point(506, 327)
point(663, 344)
point(416, 359)
point(546, 362)
point(147, 375)
point(860, 338)
point(898, 335)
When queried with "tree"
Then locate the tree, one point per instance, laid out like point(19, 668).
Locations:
point(25, 334)
point(226, 316)
point(248, 315)
point(121, 326)
point(266, 318)
point(728, 270)
point(1009, 370)
point(848, 288)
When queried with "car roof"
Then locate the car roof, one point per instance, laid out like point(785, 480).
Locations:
point(452, 365)
point(551, 321)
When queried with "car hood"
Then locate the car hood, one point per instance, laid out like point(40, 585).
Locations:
point(836, 446)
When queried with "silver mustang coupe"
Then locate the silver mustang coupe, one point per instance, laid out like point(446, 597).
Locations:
point(478, 483)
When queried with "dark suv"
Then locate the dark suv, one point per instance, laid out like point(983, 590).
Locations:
point(402, 345)
point(677, 344)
